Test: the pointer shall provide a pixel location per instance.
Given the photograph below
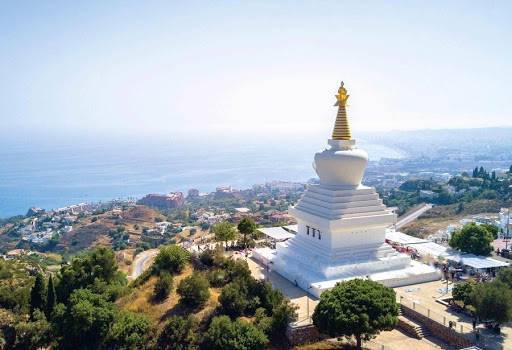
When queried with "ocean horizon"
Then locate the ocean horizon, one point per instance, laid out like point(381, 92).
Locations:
point(55, 172)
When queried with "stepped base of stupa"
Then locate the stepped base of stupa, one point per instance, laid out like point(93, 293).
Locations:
point(394, 271)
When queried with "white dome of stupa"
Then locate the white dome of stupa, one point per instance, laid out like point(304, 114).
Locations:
point(342, 164)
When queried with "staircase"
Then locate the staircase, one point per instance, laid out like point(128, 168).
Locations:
point(414, 329)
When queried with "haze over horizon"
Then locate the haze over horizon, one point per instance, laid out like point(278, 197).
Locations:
point(163, 67)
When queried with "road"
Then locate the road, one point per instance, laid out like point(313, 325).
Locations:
point(139, 264)
point(404, 220)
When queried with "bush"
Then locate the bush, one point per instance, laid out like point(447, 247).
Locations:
point(207, 257)
point(179, 333)
point(171, 258)
point(224, 334)
point(463, 292)
point(194, 290)
point(129, 331)
point(217, 278)
point(85, 321)
point(237, 269)
point(163, 286)
point(95, 268)
point(505, 276)
point(493, 301)
point(282, 314)
point(234, 299)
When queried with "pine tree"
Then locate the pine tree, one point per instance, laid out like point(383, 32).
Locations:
point(475, 172)
point(510, 170)
point(37, 294)
point(51, 299)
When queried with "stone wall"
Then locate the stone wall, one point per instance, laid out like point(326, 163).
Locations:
point(448, 335)
point(298, 335)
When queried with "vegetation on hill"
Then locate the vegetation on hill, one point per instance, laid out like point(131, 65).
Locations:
point(78, 307)
point(486, 190)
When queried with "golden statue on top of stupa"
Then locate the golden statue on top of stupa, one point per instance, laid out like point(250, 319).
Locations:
point(341, 97)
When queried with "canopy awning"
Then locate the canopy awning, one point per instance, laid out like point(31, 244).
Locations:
point(481, 262)
point(431, 248)
point(277, 233)
point(402, 238)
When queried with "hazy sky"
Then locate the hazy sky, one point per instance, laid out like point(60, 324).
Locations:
point(151, 66)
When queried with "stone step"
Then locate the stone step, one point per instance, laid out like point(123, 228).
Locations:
point(416, 330)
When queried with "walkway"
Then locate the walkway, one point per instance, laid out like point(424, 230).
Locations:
point(409, 217)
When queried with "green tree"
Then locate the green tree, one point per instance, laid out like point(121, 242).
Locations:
point(247, 226)
point(224, 231)
point(472, 238)
point(36, 334)
point(282, 314)
point(96, 269)
point(179, 333)
point(359, 308)
point(130, 331)
point(224, 334)
point(505, 276)
point(493, 301)
point(234, 299)
point(492, 229)
point(194, 290)
point(38, 295)
point(171, 258)
point(463, 292)
point(163, 286)
point(51, 298)
point(85, 321)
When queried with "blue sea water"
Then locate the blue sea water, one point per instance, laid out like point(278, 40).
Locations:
point(54, 172)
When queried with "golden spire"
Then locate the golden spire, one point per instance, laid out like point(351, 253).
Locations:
point(341, 130)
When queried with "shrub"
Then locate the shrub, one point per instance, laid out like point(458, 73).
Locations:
point(171, 258)
point(217, 278)
point(194, 290)
point(234, 299)
point(224, 334)
point(163, 286)
point(493, 301)
point(207, 257)
point(179, 333)
point(463, 292)
point(129, 331)
point(505, 276)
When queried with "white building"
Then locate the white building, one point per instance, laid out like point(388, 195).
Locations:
point(505, 221)
point(342, 225)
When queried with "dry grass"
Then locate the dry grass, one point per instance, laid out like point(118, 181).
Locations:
point(423, 227)
point(440, 216)
point(140, 300)
point(125, 259)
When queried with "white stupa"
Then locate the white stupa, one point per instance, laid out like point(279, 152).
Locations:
point(342, 224)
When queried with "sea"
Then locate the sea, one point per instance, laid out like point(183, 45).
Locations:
point(52, 172)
